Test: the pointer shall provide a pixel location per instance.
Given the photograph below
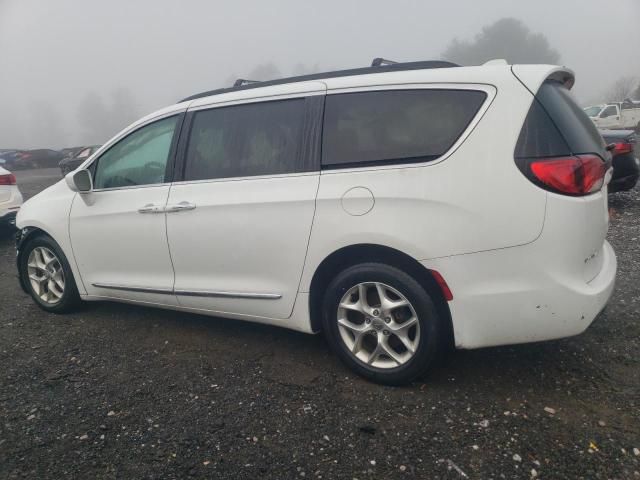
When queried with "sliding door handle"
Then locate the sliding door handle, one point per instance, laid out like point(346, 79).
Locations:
point(151, 208)
point(179, 207)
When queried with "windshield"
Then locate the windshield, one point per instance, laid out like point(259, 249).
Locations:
point(592, 111)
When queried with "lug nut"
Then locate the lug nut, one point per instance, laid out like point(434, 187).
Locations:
point(367, 320)
point(387, 320)
point(385, 332)
point(376, 313)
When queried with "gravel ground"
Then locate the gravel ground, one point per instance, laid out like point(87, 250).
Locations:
point(117, 391)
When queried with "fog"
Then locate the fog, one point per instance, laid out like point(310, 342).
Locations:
point(76, 71)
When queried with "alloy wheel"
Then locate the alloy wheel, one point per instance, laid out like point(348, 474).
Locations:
point(378, 325)
point(46, 275)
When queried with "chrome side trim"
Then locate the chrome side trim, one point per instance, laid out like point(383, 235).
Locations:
point(113, 286)
point(190, 293)
point(212, 293)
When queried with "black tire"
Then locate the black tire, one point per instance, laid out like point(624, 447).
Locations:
point(429, 322)
point(70, 299)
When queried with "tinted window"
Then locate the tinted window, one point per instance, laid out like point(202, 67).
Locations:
point(387, 126)
point(138, 159)
point(608, 112)
point(245, 140)
point(556, 126)
point(539, 136)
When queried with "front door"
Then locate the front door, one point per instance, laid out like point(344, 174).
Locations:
point(609, 117)
point(239, 221)
point(118, 230)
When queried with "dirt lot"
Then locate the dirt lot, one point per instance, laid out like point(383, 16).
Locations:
point(117, 391)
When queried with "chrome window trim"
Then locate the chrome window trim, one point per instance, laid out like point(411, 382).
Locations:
point(251, 177)
point(189, 293)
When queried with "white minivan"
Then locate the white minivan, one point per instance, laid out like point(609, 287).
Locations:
point(398, 208)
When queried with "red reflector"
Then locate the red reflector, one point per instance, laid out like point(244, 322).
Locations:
point(579, 175)
point(621, 148)
point(446, 291)
point(8, 179)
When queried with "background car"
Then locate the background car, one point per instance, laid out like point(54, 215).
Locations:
point(8, 157)
point(10, 198)
point(626, 165)
point(76, 157)
point(42, 158)
point(616, 115)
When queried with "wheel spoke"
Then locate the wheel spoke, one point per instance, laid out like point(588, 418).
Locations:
point(388, 350)
point(387, 304)
point(362, 294)
point(355, 306)
point(401, 330)
point(57, 278)
point(358, 331)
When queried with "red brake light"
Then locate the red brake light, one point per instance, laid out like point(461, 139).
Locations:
point(621, 148)
point(575, 175)
point(8, 179)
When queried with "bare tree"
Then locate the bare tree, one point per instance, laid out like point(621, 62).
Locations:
point(264, 71)
point(45, 126)
point(622, 89)
point(94, 119)
point(507, 38)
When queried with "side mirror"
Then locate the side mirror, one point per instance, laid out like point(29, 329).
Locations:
point(79, 181)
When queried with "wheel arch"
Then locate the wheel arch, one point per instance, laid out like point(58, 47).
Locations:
point(364, 252)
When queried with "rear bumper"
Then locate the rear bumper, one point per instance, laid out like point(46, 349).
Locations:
point(506, 296)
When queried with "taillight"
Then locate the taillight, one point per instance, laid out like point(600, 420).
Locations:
point(622, 148)
point(571, 175)
point(8, 179)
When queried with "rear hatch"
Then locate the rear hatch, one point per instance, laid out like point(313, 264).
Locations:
point(561, 151)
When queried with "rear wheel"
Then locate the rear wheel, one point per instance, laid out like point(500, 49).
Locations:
point(381, 323)
point(46, 273)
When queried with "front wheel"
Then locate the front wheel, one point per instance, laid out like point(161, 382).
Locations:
point(381, 322)
point(45, 272)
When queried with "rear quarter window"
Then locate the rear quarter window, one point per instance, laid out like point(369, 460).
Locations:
point(395, 126)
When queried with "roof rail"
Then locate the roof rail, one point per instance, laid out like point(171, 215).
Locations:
point(241, 82)
point(381, 66)
point(378, 62)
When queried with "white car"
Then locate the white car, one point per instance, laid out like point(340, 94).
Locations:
point(396, 208)
point(620, 115)
point(10, 198)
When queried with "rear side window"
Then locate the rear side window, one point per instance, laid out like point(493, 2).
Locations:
point(395, 126)
point(557, 126)
point(246, 140)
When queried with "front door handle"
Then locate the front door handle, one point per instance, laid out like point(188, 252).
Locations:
point(179, 207)
point(151, 208)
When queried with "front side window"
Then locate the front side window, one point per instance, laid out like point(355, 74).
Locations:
point(395, 125)
point(608, 112)
point(592, 111)
point(84, 153)
point(138, 159)
point(246, 140)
